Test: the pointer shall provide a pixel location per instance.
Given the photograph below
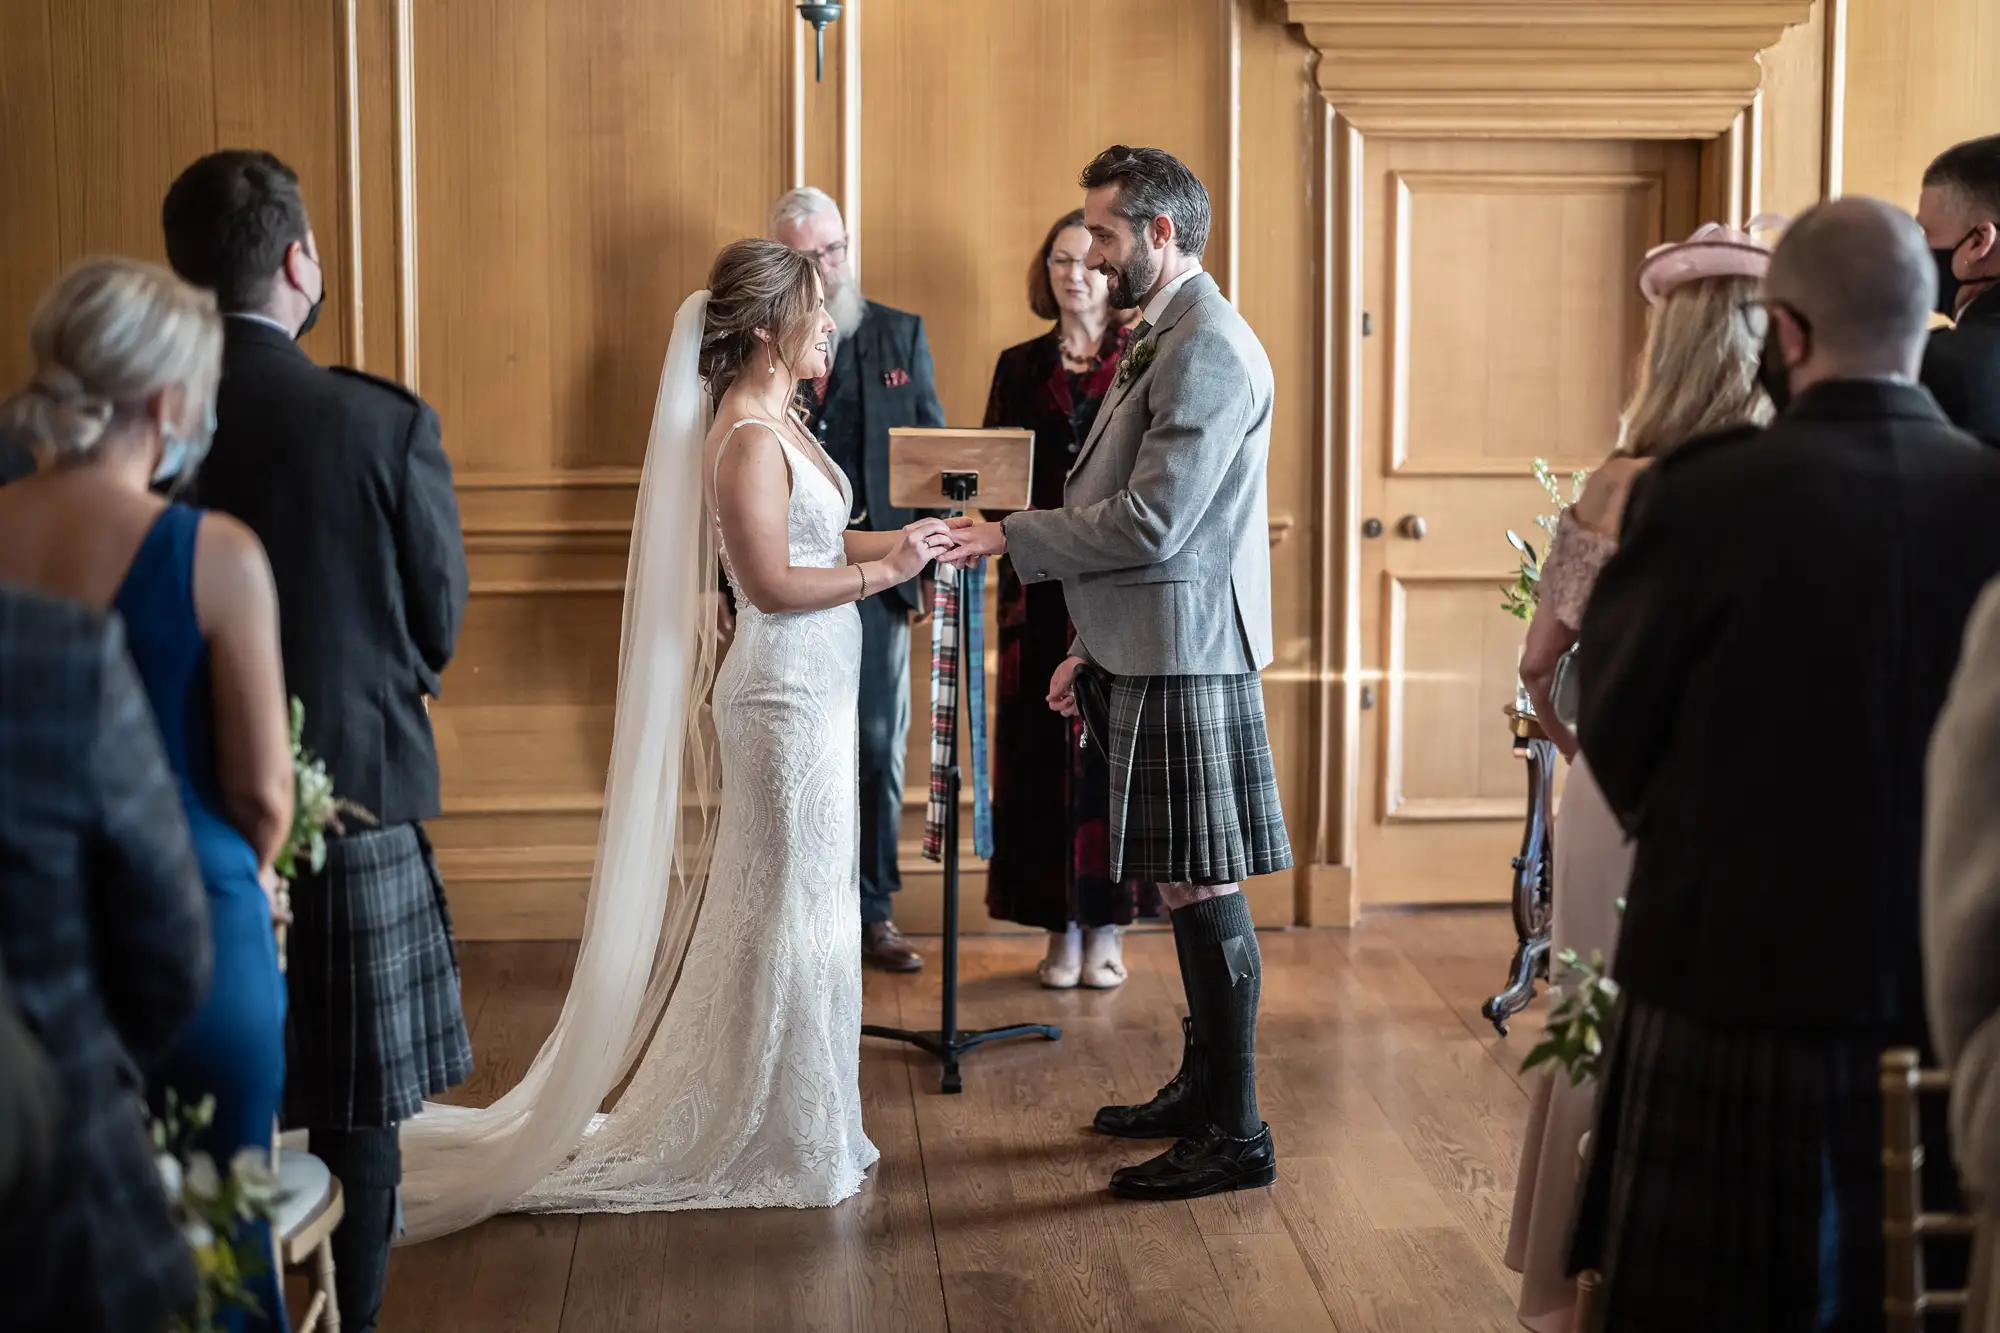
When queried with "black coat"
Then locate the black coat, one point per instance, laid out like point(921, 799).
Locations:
point(1761, 665)
point(1962, 366)
point(343, 478)
point(882, 378)
point(105, 940)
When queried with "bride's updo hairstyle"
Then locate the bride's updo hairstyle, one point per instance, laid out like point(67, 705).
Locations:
point(756, 284)
point(110, 335)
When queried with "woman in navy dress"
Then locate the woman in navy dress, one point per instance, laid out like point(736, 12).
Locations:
point(127, 357)
point(1051, 800)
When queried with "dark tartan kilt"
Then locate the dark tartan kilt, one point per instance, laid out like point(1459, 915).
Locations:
point(376, 1024)
point(1194, 799)
point(1735, 1180)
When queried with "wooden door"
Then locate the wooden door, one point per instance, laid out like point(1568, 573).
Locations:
point(1502, 327)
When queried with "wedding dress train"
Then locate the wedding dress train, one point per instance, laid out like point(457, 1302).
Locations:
point(719, 972)
point(750, 1095)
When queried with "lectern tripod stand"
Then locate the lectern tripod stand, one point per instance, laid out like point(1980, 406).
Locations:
point(947, 1041)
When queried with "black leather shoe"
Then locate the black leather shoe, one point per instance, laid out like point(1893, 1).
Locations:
point(1175, 1110)
point(1195, 1167)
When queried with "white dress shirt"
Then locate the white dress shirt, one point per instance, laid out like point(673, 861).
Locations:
point(1161, 299)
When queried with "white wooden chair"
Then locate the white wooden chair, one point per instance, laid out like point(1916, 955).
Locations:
point(310, 1206)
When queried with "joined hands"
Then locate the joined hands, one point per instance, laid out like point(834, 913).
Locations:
point(972, 539)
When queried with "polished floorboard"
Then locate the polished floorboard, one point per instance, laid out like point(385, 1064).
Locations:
point(1397, 1111)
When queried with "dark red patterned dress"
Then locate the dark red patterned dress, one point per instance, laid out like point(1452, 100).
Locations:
point(1051, 845)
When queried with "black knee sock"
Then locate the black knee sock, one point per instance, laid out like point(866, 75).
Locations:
point(369, 1165)
point(1223, 970)
point(1184, 935)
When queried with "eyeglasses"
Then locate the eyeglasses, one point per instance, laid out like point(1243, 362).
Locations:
point(1070, 261)
point(828, 254)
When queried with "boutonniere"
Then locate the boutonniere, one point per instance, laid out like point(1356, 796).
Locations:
point(896, 379)
point(1136, 360)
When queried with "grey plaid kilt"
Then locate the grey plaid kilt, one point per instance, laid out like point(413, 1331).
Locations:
point(376, 1024)
point(1735, 1179)
point(1194, 799)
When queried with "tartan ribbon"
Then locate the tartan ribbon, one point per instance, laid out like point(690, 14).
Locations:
point(946, 661)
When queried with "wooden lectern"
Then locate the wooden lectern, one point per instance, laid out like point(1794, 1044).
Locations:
point(951, 469)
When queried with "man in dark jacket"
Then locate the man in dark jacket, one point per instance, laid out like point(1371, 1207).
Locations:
point(105, 944)
point(1960, 214)
point(343, 478)
point(1761, 665)
point(882, 377)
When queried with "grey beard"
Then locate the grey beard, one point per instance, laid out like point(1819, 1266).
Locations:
point(846, 307)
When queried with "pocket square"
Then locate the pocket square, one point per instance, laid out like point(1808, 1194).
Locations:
point(896, 378)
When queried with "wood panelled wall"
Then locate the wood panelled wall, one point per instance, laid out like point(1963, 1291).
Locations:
point(512, 196)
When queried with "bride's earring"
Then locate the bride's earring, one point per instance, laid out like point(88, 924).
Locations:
point(771, 362)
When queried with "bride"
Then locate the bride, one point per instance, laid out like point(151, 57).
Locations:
point(719, 975)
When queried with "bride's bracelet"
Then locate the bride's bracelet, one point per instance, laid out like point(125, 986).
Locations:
point(862, 569)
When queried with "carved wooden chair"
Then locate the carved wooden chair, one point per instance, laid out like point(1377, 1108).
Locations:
point(1905, 1224)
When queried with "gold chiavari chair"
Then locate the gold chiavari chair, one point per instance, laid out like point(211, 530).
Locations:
point(1905, 1224)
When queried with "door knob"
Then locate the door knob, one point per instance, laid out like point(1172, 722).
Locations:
point(1413, 527)
point(1371, 527)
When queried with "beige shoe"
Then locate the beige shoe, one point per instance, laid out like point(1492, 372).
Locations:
point(1103, 959)
point(1064, 965)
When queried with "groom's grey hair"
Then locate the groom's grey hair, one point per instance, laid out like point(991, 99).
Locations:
point(1152, 183)
point(800, 204)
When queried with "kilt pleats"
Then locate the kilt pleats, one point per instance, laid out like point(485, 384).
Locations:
point(1194, 796)
point(1735, 1179)
point(376, 1022)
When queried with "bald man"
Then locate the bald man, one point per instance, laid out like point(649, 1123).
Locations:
point(1761, 666)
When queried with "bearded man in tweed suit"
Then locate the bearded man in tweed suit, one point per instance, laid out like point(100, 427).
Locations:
point(1163, 549)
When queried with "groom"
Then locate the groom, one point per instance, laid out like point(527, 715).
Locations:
point(1163, 549)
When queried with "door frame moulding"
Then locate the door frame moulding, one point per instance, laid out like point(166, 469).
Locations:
point(1482, 69)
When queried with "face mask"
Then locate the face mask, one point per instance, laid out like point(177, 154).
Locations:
point(1948, 283)
point(183, 453)
point(312, 315)
point(1772, 372)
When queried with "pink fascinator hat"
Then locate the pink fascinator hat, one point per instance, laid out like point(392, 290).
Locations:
point(1714, 251)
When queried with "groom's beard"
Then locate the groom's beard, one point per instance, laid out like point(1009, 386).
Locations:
point(1127, 286)
point(845, 305)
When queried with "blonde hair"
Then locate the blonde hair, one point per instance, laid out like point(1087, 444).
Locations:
point(108, 336)
point(1698, 371)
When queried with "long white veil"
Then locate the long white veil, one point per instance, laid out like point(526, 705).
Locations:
point(461, 1165)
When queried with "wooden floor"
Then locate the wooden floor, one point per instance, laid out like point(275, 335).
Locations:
point(1397, 1112)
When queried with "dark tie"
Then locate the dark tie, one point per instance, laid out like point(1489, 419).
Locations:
point(1140, 330)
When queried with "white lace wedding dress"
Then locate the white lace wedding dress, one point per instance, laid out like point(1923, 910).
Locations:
point(749, 1095)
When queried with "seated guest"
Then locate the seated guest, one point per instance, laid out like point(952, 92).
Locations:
point(1761, 665)
point(1051, 847)
point(344, 478)
point(1697, 375)
point(1962, 931)
point(126, 358)
point(105, 944)
point(1959, 211)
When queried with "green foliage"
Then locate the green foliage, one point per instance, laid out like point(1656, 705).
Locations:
point(1520, 599)
point(1582, 1018)
point(315, 808)
point(214, 1212)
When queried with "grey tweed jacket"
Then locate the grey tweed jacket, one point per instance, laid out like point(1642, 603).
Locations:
point(1163, 541)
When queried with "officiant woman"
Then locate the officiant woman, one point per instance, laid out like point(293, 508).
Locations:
point(1050, 799)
